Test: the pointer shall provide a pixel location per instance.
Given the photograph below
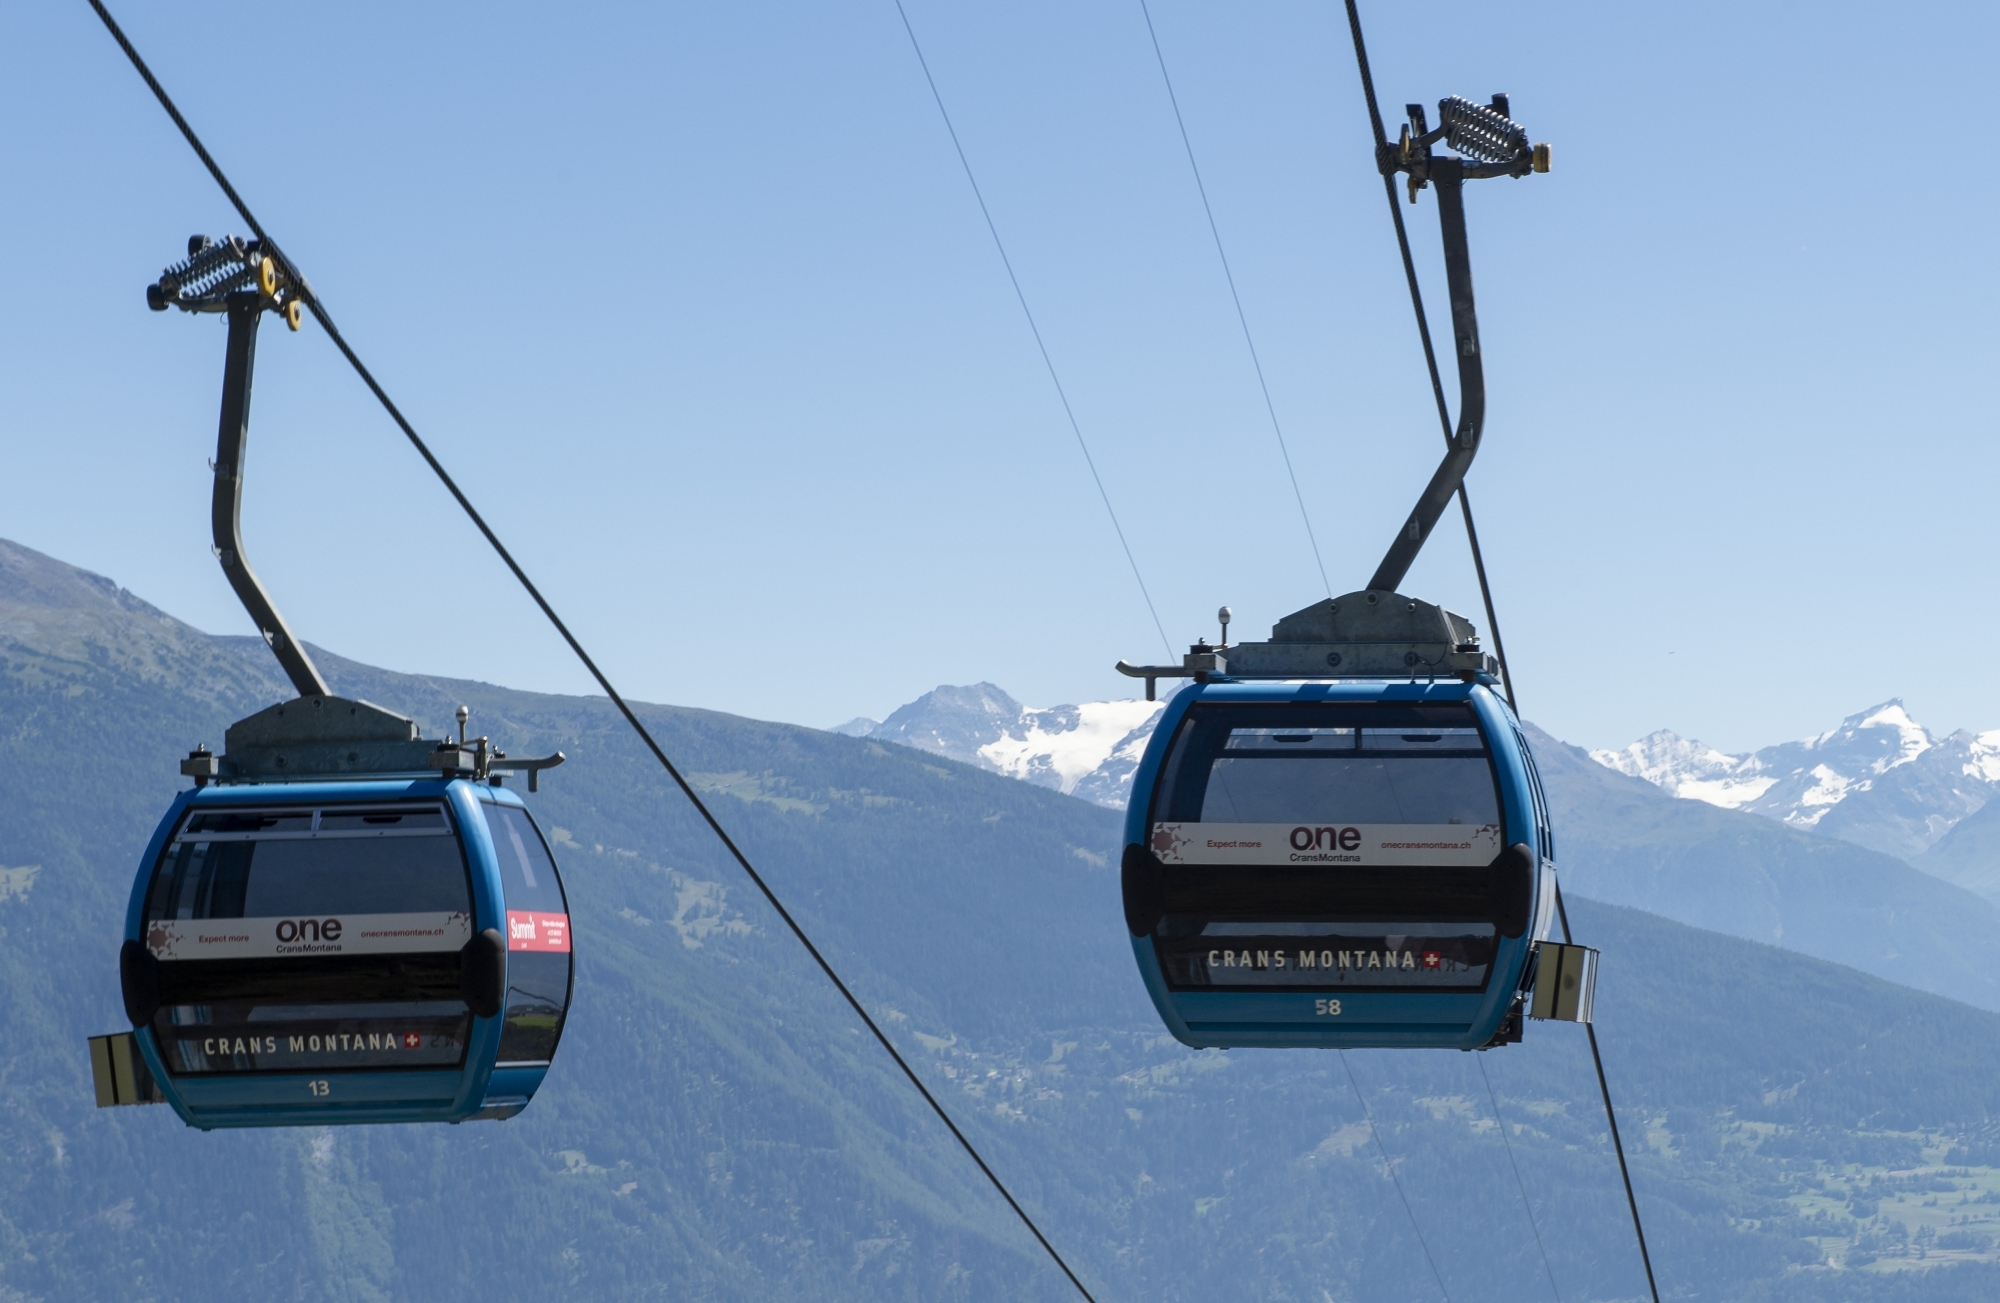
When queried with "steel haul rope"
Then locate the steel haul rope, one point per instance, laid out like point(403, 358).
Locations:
point(1486, 595)
point(1430, 353)
point(320, 313)
point(1033, 329)
point(1389, 1167)
point(1519, 1184)
point(1270, 408)
point(1256, 362)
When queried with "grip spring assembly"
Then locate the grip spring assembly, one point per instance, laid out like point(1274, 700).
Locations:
point(1486, 137)
point(215, 271)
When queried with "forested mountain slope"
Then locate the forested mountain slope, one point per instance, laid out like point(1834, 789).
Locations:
point(717, 1127)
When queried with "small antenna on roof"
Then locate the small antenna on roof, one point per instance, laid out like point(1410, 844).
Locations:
point(463, 715)
point(1223, 615)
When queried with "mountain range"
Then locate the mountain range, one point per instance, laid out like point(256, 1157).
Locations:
point(717, 1126)
point(1880, 780)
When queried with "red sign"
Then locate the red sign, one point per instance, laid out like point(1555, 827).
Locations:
point(1432, 958)
point(528, 931)
point(412, 1041)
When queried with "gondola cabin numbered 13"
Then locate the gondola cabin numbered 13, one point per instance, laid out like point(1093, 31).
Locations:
point(342, 922)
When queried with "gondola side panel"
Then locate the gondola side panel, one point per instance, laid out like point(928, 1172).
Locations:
point(489, 911)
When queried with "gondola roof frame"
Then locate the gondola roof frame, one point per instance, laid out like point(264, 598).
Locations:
point(1359, 635)
point(333, 738)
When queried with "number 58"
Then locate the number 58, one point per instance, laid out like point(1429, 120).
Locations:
point(1327, 1008)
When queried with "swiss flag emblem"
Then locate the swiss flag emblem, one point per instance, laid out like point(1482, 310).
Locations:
point(411, 1040)
point(1432, 959)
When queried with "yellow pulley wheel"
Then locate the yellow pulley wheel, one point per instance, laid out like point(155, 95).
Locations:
point(267, 277)
point(294, 311)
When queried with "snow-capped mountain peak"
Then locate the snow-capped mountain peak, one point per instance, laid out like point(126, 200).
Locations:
point(1688, 768)
point(1071, 742)
point(1887, 730)
point(1088, 751)
point(1982, 755)
point(1880, 779)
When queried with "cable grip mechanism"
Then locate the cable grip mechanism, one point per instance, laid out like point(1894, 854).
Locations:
point(1485, 136)
point(214, 270)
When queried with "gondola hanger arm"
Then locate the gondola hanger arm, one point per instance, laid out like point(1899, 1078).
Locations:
point(244, 279)
point(1488, 144)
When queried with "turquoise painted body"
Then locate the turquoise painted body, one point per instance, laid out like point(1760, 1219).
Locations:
point(476, 1088)
point(1217, 1018)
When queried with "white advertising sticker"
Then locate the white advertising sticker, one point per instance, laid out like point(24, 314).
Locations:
point(1415, 845)
point(341, 934)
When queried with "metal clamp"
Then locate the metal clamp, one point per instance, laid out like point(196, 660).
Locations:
point(202, 765)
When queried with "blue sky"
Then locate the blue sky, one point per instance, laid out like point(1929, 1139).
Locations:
point(698, 305)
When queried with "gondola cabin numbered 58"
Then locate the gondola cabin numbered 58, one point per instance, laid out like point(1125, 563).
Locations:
point(1358, 862)
point(1337, 837)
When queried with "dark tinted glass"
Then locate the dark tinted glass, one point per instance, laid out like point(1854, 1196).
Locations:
point(246, 864)
point(538, 981)
point(1284, 927)
point(390, 819)
point(537, 998)
point(1345, 764)
point(527, 873)
point(1327, 956)
point(313, 1013)
point(236, 1038)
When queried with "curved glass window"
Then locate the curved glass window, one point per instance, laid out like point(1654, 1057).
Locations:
point(539, 968)
point(311, 939)
point(1328, 847)
point(259, 864)
point(1329, 765)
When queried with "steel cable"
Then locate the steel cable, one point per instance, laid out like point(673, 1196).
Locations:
point(1611, 1115)
point(1430, 353)
point(1519, 1184)
point(320, 313)
point(1257, 363)
point(1033, 329)
point(1486, 595)
point(1390, 1167)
